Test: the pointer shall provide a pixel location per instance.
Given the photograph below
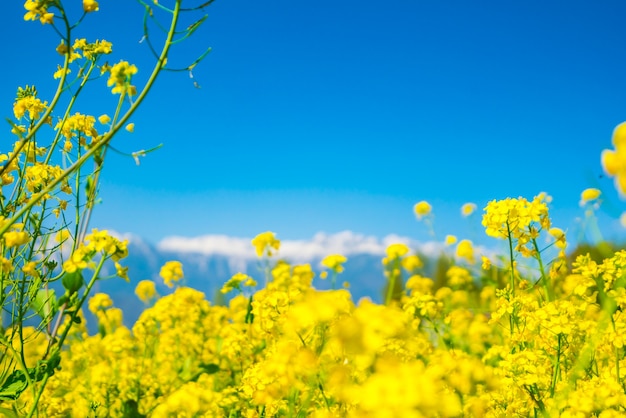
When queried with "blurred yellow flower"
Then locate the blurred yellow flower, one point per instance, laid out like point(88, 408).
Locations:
point(264, 243)
point(467, 209)
point(614, 161)
point(486, 263)
point(450, 239)
point(130, 127)
point(465, 249)
point(104, 119)
point(422, 209)
point(589, 195)
point(145, 290)
point(395, 251)
point(171, 272)
point(334, 262)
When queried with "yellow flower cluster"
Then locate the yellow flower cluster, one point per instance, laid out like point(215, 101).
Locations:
point(171, 272)
point(120, 76)
point(98, 242)
point(447, 349)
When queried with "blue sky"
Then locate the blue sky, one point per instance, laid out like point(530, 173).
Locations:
point(334, 115)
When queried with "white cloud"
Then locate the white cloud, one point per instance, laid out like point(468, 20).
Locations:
point(320, 245)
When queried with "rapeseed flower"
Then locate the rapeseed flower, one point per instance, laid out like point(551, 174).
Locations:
point(120, 76)
point(614, 161)
point(146, 290)
point(90, 6)
point(467, 209)
point(422, 209)
point(334, 262)
point(589, 195)
point(265, 243)
point(171, 272)
point(38, 9)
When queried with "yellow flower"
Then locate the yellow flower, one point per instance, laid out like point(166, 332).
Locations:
point(422, 209)
point(60, 72)
point(450, 239)
point(120, 77)
point(467, 209)
point(265, 242)
point(465, 249)
point(589, 195)
point(130, 127)
point(236, 281)
point(395, 251)
point(146, 290)
point(559, 236)
point(334, 262)
point(99, 301)
point(614, 161)
point(15, 238)
point(171, 272)
point(90, 6)
point(104, 119)
point(486, 263)
point(37, 9)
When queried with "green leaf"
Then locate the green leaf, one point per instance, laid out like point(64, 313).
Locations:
point(13, 387)
point(45, 303)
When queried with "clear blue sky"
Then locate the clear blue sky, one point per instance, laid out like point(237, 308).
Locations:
point(333, 115)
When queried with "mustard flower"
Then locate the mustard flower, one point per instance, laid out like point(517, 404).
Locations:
point(422, 209)
point(130, 127)
point(38, 9)
point(450, 239)
point(265, 243)
point(614, 161)
point(120, 76)
point(486, 263)
point(236, 281)
point(171, 272)
point(395, 251)
point(104, 119)
point(31, 104)
point(411, 263)
point(513, 218)
point(467, 209)
point(146, 290)
point(334, 262)
point(465, 249)
point(15, 238)
point(98, 302)
point(90, 6)
point(559, 236)
point(589, 195)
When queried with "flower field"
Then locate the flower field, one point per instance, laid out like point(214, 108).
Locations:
point(532, 332)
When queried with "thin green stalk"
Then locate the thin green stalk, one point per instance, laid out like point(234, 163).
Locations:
point(107, 137)
point(66, 331)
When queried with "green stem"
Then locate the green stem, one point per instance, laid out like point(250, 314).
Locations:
point(108, 136)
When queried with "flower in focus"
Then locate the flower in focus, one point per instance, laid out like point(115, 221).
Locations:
point(171, 272)
point(146, 290)
point(265, 243)
point(422, 209)
point(467, 209)
point(614, 161)
point(38, 9)
point(589, 195)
